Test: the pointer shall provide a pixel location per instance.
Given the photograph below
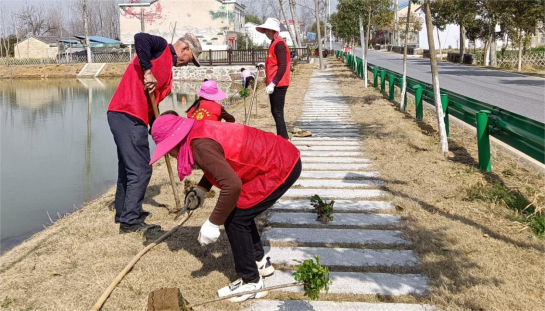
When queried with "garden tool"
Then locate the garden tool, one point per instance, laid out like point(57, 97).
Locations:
point(167, 158)
point(259, 67)
point(186, 206)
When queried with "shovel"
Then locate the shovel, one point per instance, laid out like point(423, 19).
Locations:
point(167, 158)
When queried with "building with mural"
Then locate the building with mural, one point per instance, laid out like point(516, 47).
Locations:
point(215, 22)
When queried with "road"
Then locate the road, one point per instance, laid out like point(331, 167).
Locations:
point(520, 94)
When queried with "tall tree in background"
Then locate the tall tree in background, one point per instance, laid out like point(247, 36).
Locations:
point(290, 30)
point(443, 141)
point(404, 88)
point(86, 27)
point(317, 8)
point(293, 9)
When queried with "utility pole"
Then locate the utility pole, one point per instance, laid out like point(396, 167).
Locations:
point(329, 23)
point(86, 27)
point(316, 7)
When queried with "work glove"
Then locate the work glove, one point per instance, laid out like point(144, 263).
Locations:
point(270, 88)
point(209, 233)
point(194, 198)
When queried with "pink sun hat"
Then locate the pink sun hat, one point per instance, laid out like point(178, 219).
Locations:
point(209, 90)
point(167, 132)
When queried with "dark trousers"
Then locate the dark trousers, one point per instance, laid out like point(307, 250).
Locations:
point(134, 171)
point(243, 235)
point(247, 81)
point(278, 98)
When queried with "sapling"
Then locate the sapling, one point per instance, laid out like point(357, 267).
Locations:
point(322, 208)
point(244, 93)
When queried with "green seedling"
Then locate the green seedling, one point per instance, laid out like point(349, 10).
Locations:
point(244, 93)
point(315, 278)
point(322, 208)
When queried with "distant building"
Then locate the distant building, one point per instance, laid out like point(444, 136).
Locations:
point(213, 22)
point(290, 26)
point(37, 47)
point(258, 38)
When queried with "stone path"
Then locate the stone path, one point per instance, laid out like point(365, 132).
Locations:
point(364, 234)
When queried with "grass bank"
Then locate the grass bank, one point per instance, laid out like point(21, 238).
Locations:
point(475, 243)
point(68, 265)
point(57, 71)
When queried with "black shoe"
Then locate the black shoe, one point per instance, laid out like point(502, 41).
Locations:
point(144, 215)
point(142, 227)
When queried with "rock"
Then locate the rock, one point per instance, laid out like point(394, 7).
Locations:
point(303, 134)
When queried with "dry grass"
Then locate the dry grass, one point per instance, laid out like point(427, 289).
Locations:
point(475, 257)
point(57, 71)
point(69, 265)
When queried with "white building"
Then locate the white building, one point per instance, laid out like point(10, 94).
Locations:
point(258, 38)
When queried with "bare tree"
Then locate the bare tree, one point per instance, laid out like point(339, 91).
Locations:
point(290, 30)
point(404, 88)
point(296, 22)
point(34, 20)
point(443, 142)
point(319, 35)
point(85, 25)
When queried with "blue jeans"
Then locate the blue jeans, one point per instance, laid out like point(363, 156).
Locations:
point(134, 171)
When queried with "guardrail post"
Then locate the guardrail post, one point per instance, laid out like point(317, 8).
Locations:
point(375, 76)
point(382, 81)
point(418, 102)
point(391, 84)
point(483, 141)
point(444, 103)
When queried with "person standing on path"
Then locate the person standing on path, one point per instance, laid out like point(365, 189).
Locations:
point(252, 168)
point(206, 106)
point(277, 71)
point(130, 112)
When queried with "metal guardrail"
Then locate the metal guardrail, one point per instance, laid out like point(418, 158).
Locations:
point(521, 133)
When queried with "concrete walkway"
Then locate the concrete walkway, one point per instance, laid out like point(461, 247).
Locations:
point(364, 235)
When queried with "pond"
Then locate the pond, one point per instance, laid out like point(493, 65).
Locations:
point(57, 151)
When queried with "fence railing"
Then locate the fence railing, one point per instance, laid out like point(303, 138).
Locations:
point(511, 60)
point(68, 59)
point(521, 133)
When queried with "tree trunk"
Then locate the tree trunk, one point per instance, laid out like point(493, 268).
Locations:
point(363, 56)
point(520, 51)
point(292, 35)
point(443, 142)
point(486, 60)
point(462, 43)
point(404, 87)
point(367, 45)
point(295, 23)
point(439, 41)
point(317, 9)
point(86, 27)
point(493, 55)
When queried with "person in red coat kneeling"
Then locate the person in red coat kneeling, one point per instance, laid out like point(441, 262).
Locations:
point(252, 168)
point(206, 106)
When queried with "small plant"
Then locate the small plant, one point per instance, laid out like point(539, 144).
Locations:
point(314, 277)
point(6, 302)
point(322, 208)
point(244, 93)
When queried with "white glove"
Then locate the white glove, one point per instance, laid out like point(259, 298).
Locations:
point(195, 198)
point(209, 233)
point(270, 88)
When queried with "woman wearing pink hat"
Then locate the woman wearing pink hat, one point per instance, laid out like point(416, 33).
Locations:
point(277, 71)
point(252, 168)
point(206, 107)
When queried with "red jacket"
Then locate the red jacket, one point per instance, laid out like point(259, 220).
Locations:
point(271, 64)
point(130, 96)
point(208, 110)
point(263, 161)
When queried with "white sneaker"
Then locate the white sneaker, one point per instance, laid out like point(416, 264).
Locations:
point(265, 267)
point(239, 286)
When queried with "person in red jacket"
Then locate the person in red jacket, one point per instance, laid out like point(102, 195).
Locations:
point(206, 107)
point(252, 168)
point(277, 71)
point(130, 112)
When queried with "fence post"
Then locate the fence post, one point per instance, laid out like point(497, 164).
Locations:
point(391, 85)
point(418, 102)
point(483, 141)
point(210, 57)
point(253, 56)
point(375, 76)
point(444, 103)
point(382, 81)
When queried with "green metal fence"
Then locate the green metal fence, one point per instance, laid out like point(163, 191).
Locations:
point(521, 133)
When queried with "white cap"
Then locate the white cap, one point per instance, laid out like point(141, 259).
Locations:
point(270, 23)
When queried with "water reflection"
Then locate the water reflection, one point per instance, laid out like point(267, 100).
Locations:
point(57, 151)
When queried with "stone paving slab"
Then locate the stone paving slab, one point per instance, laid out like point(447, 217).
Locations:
point(303, 305)
point(330, 142)
point(334, 160)
point(332, 130)
point(342, 219)
point(361, 283)
point(337, 236)
point(337, 183)
point(336, 166)
point(343, 257)
point(334, 194)
point(339, 206)
point(328, 148)
point(325, 139)
point(323, 153)
point(334, 135)
point(337, 175)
